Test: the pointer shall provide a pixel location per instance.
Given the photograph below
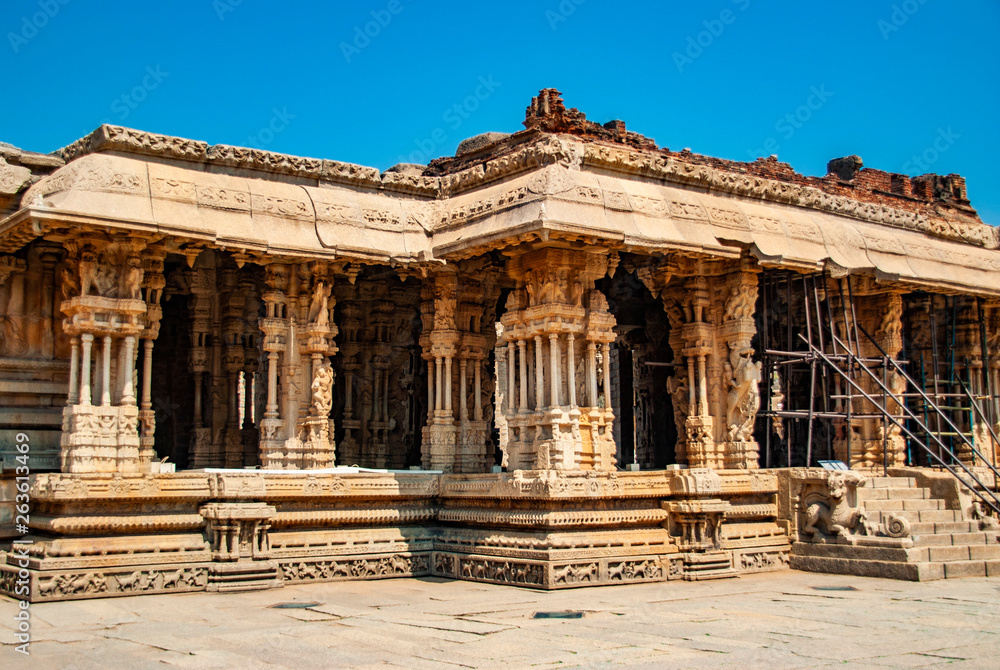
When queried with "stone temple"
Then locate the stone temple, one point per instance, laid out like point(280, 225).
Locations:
point(562, 357)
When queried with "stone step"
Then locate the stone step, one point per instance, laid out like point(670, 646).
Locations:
point(932, 527)
point(975, 552)
point(901, 505)
point(914, 572)
point(973, 568)
point(918, 516)
point(891, 482)
point(923, 554)
point(868, 553)
point(917, 571)
point(946, 539)
point(893, 493)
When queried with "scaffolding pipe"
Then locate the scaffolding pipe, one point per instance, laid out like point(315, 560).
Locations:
point(994, 504)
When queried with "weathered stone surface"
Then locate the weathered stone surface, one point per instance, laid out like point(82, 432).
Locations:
point(471, 144)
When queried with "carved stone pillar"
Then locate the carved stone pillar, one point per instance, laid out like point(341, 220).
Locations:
point(698, 334)
point(742, 374)
point(275, 329)
point(153, 284)
point(441, 345)
point(49, 255)
point(556, 300)
point(298, 328)
point(74, 372)
point(104, 437)
point(251, 365)
point(85, 388)
point(991, 316)
point(203, 293)
point(317, 342)
point(714, 388)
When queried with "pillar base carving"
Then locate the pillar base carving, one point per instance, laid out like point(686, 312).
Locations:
point(442, 437)
point(319, 446)
point(741, 455)
point(702, 450)
point(472, 456)
point(201, 448)
point(100, 439)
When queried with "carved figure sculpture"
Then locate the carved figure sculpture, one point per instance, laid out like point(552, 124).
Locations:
point(322, 390)
point(319, 308)
point(740, 304)
point(743, 400)
point(88, 270)
point(133, 279)
point(69, 281)
point(834, 512)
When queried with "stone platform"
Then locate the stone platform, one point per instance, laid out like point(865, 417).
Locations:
point(100, 535)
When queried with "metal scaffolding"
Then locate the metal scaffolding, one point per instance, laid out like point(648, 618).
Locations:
point(815, 377)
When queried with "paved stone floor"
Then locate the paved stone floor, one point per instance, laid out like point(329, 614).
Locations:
point(778, 620)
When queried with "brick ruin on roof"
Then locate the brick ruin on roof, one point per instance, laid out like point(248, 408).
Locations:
point(562, 357)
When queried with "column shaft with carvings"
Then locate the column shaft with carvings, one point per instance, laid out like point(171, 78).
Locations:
point(275, 329)
point(440, 347)
point(714, 388)
point(743, 374)
point(233, 362)
point(100, 434)
point(152, 285)
point(203, 286)
point(477, 296)
point(558, 322)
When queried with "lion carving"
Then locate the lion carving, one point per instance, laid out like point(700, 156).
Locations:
point(834, 513)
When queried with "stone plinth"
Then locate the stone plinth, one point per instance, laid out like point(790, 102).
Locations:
point(235, 530)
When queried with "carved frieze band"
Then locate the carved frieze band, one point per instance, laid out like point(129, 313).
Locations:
point(101, 584)
point(367, 567)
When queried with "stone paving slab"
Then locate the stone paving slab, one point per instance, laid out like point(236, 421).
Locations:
point(776, 621)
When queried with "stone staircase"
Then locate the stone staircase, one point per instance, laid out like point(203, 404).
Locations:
point(943, 543)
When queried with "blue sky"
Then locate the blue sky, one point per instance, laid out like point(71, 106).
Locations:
point(912, 86)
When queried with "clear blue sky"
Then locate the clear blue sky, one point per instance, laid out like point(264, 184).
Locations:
point(888, 80)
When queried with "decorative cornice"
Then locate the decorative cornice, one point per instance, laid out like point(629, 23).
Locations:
point(118, 138)
point(673, 170)
point(541, 146)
